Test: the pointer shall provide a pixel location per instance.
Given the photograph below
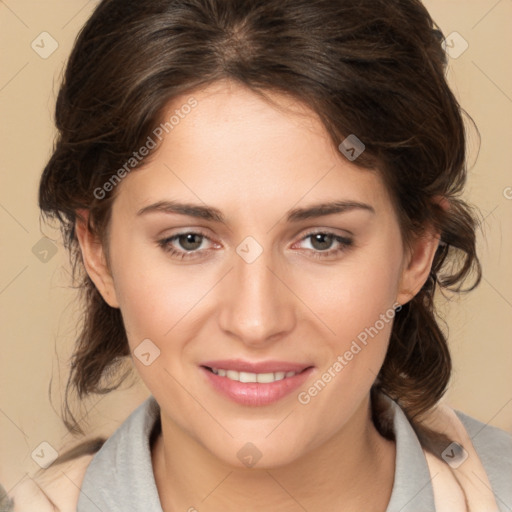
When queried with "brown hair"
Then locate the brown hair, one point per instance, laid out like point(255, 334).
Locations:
point(373, 68)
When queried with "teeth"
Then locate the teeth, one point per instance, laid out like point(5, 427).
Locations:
point(247, 377)
point(263, 378)
point(233, 375)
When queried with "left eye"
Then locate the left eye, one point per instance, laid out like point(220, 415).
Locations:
point(322, 242)
point(191, 242)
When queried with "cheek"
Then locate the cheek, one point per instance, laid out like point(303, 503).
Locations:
point(150, 297)
point(357, 307)
point(156, 309)
point(158, 299)
point(360, 290)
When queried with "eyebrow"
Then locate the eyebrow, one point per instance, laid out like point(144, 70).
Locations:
point(215, 215)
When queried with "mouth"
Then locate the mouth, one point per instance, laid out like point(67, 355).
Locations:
point(255, 384)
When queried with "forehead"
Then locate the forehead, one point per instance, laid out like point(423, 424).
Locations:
point(236, 149)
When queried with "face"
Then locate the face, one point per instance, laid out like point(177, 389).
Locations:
point(255, 282)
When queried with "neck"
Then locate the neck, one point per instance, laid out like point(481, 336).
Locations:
point(353, 470)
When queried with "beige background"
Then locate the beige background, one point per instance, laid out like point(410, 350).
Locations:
point(36, 301)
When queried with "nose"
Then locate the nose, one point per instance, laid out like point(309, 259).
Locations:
point(258, 307)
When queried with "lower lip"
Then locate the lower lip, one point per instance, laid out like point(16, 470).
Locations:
point(255, 393)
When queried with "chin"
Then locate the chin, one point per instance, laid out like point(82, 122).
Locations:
point(260, 453)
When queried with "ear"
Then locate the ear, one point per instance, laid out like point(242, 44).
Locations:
point(417, 265)
point(95, 262)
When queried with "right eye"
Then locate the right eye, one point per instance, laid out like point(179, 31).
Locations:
point(190, 241)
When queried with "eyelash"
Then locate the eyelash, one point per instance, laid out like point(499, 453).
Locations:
point(345, 244)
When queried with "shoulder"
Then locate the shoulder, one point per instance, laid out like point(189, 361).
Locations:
point(483, 463)
point(56, 490)
point(494, 447)
point(486, 437)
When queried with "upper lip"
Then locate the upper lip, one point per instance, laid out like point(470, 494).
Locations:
point(256, 367)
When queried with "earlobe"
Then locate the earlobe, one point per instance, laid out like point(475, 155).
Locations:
point(418, 266)
point(95, 262)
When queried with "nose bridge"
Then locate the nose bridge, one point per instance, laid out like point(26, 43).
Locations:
point(256, 305)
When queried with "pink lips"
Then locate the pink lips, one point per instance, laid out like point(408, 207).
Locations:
point(256, 393)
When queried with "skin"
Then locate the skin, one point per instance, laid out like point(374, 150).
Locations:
point(255, 162)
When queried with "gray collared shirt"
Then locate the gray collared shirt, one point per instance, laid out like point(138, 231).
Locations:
point(120, 476)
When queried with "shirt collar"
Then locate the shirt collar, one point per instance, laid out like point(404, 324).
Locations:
point(412, 488)
point(120, 476)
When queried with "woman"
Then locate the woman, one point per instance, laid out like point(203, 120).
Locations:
point(261, 199)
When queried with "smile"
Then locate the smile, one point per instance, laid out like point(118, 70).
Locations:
point(267, 383)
